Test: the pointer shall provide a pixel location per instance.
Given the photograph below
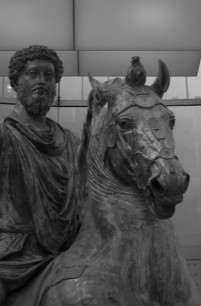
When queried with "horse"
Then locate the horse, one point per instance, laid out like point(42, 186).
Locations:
point(126, 252)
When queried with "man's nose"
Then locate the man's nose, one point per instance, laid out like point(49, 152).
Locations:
point(41, 78)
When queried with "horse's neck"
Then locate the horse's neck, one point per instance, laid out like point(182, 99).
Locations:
point(118, 222)
point(117, 208)
point(119, 230)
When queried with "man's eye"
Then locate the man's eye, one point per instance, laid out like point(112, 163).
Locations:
point(32, 73)
point(50, 74)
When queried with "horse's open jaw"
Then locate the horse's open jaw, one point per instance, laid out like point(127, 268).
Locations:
point(163, 207)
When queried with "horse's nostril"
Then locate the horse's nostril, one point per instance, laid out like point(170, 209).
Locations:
point(157, 187)
point(187, 180)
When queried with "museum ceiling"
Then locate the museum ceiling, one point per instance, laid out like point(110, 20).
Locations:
point(101, 35)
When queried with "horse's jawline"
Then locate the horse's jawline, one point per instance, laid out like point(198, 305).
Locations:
point(164, 208)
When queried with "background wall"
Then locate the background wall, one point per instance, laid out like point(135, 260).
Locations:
point(187, 218)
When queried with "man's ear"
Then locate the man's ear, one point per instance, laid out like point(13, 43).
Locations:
point(14, 85)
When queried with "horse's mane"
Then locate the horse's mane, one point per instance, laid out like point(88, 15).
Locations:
point(81, 160)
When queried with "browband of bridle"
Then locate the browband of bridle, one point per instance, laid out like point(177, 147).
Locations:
point(132, 104)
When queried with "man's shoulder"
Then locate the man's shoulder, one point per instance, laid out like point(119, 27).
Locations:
point(72, 136)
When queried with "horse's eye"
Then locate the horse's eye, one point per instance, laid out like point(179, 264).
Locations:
point(172, 123)
point(125, 124)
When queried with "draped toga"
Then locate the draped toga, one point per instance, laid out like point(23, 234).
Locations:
point(38, 213)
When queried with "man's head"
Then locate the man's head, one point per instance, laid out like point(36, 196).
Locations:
point(33, 74)
point(33, 52)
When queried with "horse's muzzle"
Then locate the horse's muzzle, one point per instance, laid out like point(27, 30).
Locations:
point(167, 184)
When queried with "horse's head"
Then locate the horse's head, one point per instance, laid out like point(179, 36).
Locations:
point(133, 132)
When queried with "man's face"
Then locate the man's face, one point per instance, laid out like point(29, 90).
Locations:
point(37, 87)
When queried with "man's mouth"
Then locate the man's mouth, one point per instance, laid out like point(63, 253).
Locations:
point(40, 91)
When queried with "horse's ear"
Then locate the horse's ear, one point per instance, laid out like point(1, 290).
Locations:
point(97, 95)
point(96, 85)
point(102, 93)
point(162, 82)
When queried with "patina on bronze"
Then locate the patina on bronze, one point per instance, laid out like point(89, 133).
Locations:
point(126, 252)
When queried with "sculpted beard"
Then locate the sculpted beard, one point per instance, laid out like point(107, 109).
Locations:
point(36, 105)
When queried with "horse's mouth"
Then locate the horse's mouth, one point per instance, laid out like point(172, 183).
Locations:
point(164, 207)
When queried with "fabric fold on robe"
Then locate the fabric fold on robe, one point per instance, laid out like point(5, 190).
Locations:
point(38, 213)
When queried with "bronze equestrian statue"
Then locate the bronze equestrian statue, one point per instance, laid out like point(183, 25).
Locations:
point(126, 252)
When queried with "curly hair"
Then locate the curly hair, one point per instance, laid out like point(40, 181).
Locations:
point(33, 52)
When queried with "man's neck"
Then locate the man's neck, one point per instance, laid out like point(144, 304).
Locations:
point(20, 112)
